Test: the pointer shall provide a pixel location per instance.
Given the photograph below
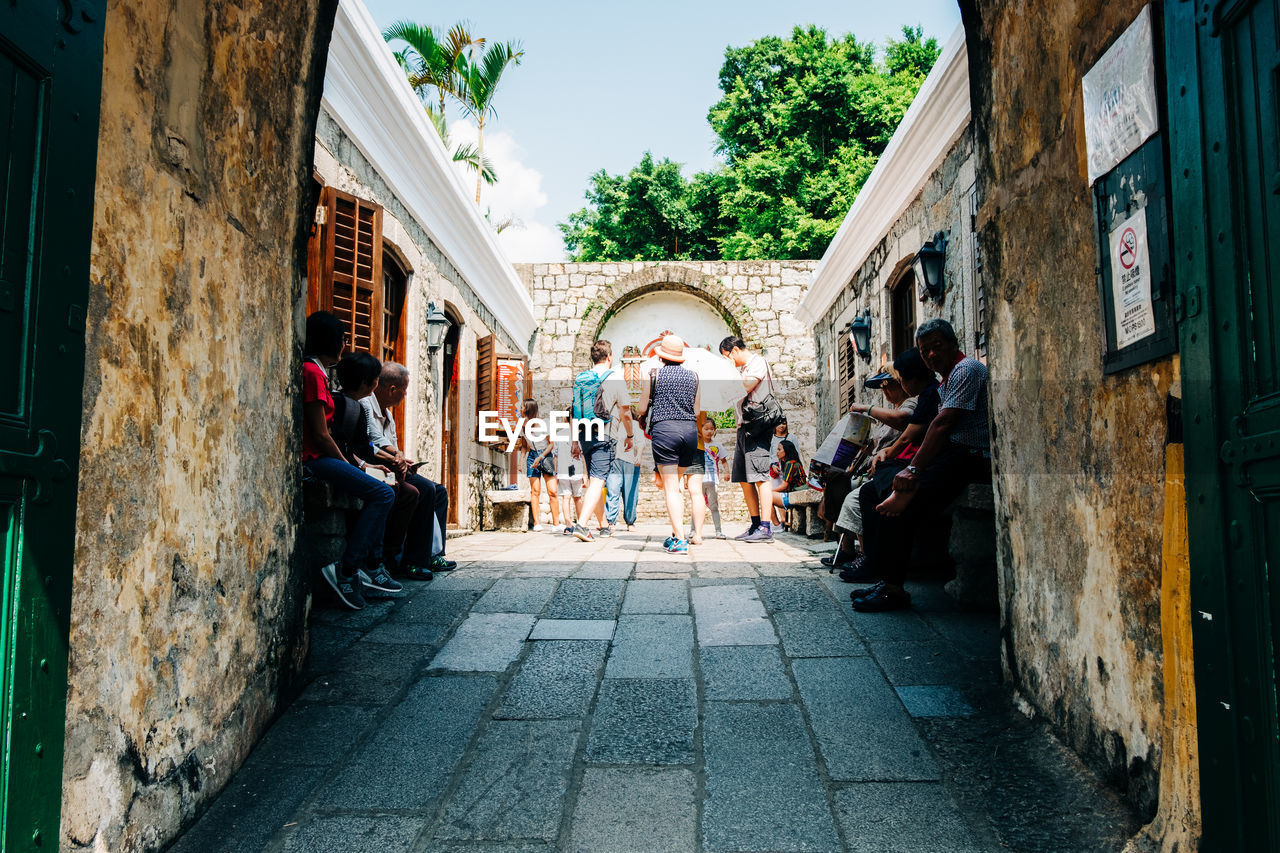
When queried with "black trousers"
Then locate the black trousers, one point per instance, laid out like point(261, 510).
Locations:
point(887, 539)
point(433, 503)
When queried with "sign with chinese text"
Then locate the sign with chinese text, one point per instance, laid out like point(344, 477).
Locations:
point(1120, 110)
point(1131, 281)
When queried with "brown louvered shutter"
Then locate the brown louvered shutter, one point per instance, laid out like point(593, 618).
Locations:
point(846, 370)
point(352, 284)
point(486, 364)
point(316, 248)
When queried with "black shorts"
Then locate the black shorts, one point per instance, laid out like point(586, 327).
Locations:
point(751, 459)
point(675, 443)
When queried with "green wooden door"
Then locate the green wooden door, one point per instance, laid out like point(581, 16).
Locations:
point(50, 88)
point(1223, 64)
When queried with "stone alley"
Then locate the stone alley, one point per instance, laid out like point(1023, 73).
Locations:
point(609, 696)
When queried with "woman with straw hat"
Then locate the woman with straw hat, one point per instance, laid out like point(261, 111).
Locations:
point(669, 397)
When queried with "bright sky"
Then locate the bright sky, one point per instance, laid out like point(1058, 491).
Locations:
point(601, 83)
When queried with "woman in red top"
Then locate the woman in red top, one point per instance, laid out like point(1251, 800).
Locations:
point(322, 459)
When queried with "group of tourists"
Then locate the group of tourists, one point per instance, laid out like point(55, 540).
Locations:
point(349, 441)
point(932, 440)
point(601, 470)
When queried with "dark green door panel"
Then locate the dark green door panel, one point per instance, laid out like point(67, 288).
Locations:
point(1222, 65)
point(50, 89)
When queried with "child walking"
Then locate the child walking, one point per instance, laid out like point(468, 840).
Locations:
point(712, 470)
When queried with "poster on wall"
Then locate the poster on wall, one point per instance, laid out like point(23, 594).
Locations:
point(1120, 98)
point(1131, 281)
point(508, 388)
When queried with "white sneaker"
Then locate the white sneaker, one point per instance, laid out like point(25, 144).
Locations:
point(537, 528)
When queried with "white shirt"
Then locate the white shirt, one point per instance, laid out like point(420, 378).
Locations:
point(382, 427)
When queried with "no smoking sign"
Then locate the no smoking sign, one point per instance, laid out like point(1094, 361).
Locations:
point(1131, 282)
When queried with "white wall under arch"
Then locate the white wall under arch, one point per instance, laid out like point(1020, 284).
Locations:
point(653, 313)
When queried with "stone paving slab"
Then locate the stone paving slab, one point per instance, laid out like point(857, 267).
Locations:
point(731, 616)
point(644, 721)
point(820, 634)
point(763, 788)
point(744, 672)
point(515, 784)
point(935, 701)
point(656, 596)
point(353, 834)
point(902, 817)
point(485, 642)
point(795, 595)
point(305, 734)
point(516, 595)
point(586, 599)
point(368, 673)
point(602, 570)
point(556, 681)
point(415, 750)
point(461, 579)
point(636, 811)
point(863, 730)
point(929, 662)
point(251, 809)
point(436, 606)
point(652, 647)
point(573, 629)
point(409, 633)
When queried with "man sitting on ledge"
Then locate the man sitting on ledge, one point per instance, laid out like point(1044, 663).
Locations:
point(956, 451)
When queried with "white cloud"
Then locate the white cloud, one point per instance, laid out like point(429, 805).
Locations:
point(517, 195)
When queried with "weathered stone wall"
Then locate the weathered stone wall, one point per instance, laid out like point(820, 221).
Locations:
point(756, 299)
point(1079, 456)
point(432, 279)
point(942, 205)
point(188, 611)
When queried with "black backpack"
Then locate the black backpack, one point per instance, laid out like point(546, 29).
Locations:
point(350, 427)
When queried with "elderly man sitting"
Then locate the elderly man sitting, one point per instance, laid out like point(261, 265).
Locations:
point(955, 451)
point(417, 561)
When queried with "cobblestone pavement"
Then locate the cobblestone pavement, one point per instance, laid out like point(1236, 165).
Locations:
point(607, 696)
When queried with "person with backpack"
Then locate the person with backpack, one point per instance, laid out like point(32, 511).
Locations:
point(751, 459)
point(600, 394)
point(324, 460)
point(669, 397)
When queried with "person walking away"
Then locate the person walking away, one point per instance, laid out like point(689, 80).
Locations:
point(421, 558)
point(322, 459)
point(669, 396)
point(600, 394)
point(751, 455)
point(540, 467)
point(623, 485)
point(568, 483)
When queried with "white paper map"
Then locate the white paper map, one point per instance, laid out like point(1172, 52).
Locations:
point(1131, 281)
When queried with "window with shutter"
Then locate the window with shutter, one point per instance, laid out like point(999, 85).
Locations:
point(486, 364)
point(904, 314)
point(346, 249)
point(848, 388)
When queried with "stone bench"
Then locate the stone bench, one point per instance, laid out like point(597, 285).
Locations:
point(506, 509)
point(324, 522)
point(804, 503)
point(973, 548)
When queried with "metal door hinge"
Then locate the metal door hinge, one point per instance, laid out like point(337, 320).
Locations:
point(43, 466)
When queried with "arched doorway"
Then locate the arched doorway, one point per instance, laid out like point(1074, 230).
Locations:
point(449, 408)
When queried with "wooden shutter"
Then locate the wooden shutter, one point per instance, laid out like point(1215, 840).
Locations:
point(846, 370)
point(315, 248)
point(351, 276)
point(486, 365)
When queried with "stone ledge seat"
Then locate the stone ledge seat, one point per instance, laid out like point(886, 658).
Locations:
point(973, 548)
point(507, 509)
point(804, 503)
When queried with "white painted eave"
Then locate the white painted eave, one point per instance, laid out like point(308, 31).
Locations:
point(366, 93)
point(932, 124)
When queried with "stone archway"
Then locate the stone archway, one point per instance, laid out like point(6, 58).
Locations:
point(665, 277)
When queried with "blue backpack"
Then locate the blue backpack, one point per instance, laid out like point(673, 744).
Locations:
point(587, 400)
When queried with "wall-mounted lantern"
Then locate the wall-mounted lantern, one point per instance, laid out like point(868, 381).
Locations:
point(860, 333)
point(929, 265)
point(437, 325)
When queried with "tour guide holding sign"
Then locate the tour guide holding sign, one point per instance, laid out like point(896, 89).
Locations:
point(599, 452)
point(956, 451)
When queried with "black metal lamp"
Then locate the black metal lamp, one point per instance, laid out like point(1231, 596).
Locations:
point(860, 333)
point(437, 325)
point(929, 265)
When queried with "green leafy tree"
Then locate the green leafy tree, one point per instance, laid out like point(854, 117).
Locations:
point(801, 123)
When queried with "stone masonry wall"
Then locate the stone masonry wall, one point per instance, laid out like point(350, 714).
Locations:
point(756, 298)
point(942, 205)
point(1079, 455)
point(188, 610)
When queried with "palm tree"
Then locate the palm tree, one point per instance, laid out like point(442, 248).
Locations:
point(479, 84)
point(431, 61)
point(465, 153)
